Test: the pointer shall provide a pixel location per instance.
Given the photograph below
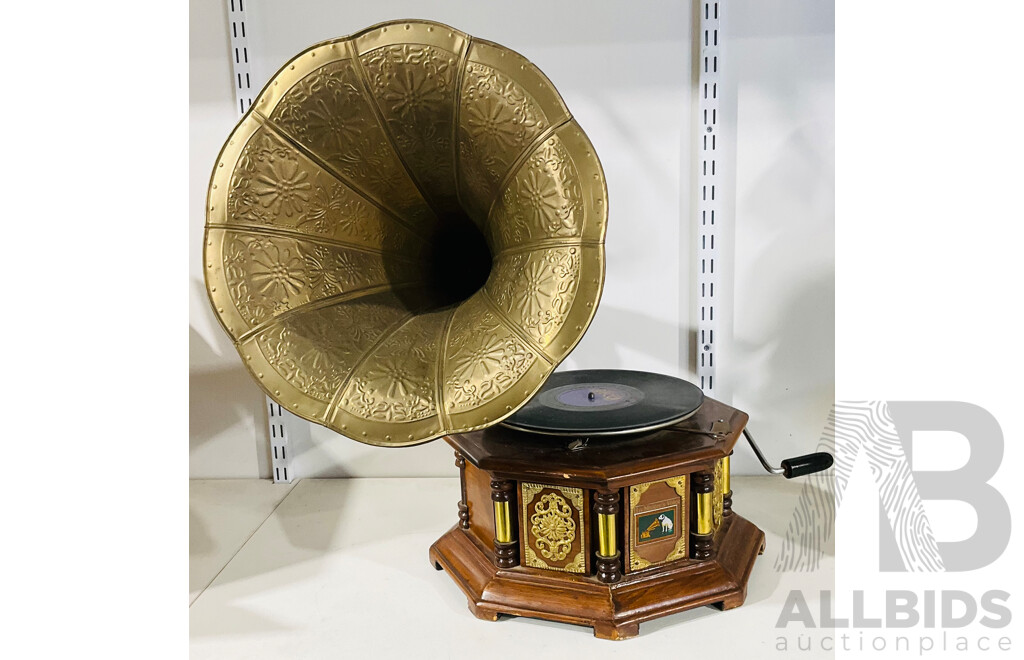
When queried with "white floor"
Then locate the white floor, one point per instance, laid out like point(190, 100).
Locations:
point(339, 569)
point(223, 515)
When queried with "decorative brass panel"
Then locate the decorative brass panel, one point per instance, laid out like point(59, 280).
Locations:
point(554, 531)
point(324, 213)
point(661, 507)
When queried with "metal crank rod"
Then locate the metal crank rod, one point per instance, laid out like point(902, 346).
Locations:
point(797, 466)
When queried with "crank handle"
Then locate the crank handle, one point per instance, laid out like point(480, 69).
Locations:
point(797, 466)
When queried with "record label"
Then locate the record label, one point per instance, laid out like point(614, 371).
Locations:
point(598, 396)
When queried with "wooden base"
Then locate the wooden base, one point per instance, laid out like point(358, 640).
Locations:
point(614, 611)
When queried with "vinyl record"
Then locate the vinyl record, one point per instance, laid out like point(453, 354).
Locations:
point(596, 402)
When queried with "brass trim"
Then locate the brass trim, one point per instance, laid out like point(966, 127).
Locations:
point(726, 477)
point(606, 541)
point(502, 524)
point(704, 513)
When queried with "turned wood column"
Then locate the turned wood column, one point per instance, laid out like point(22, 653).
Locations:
point(460, 462)
point(606, 510)
point(701, 536)
point(506, 548)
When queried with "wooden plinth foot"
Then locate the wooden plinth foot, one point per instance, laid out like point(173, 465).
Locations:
point(616, 633)
point(483, 612)
point(731, 602)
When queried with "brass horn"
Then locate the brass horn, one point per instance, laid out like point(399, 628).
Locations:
point(405, 233)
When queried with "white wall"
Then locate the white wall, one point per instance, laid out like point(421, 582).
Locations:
point(779, 362)
point(624, 71)
point(224, 404)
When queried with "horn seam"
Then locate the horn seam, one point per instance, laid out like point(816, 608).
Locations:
point(515, 329)
point(517, 164)
point(546, 245)
point(371, 100)
point(457, 119)
point(442, 358)
point(387, 334)
point(300, 236)
point(329, 169)
point(314, 305)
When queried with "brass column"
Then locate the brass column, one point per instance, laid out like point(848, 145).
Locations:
point(702, 537)
point(506, 548)
point(606, 508)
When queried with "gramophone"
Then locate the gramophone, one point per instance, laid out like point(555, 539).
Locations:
point(405, 237)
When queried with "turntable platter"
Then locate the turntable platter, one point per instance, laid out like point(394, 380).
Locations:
point(598, 402)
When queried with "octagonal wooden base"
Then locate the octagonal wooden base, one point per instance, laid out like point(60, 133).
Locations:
point(615, 611)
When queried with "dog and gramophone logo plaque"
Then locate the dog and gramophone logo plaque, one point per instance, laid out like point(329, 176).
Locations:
point(658, 522)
